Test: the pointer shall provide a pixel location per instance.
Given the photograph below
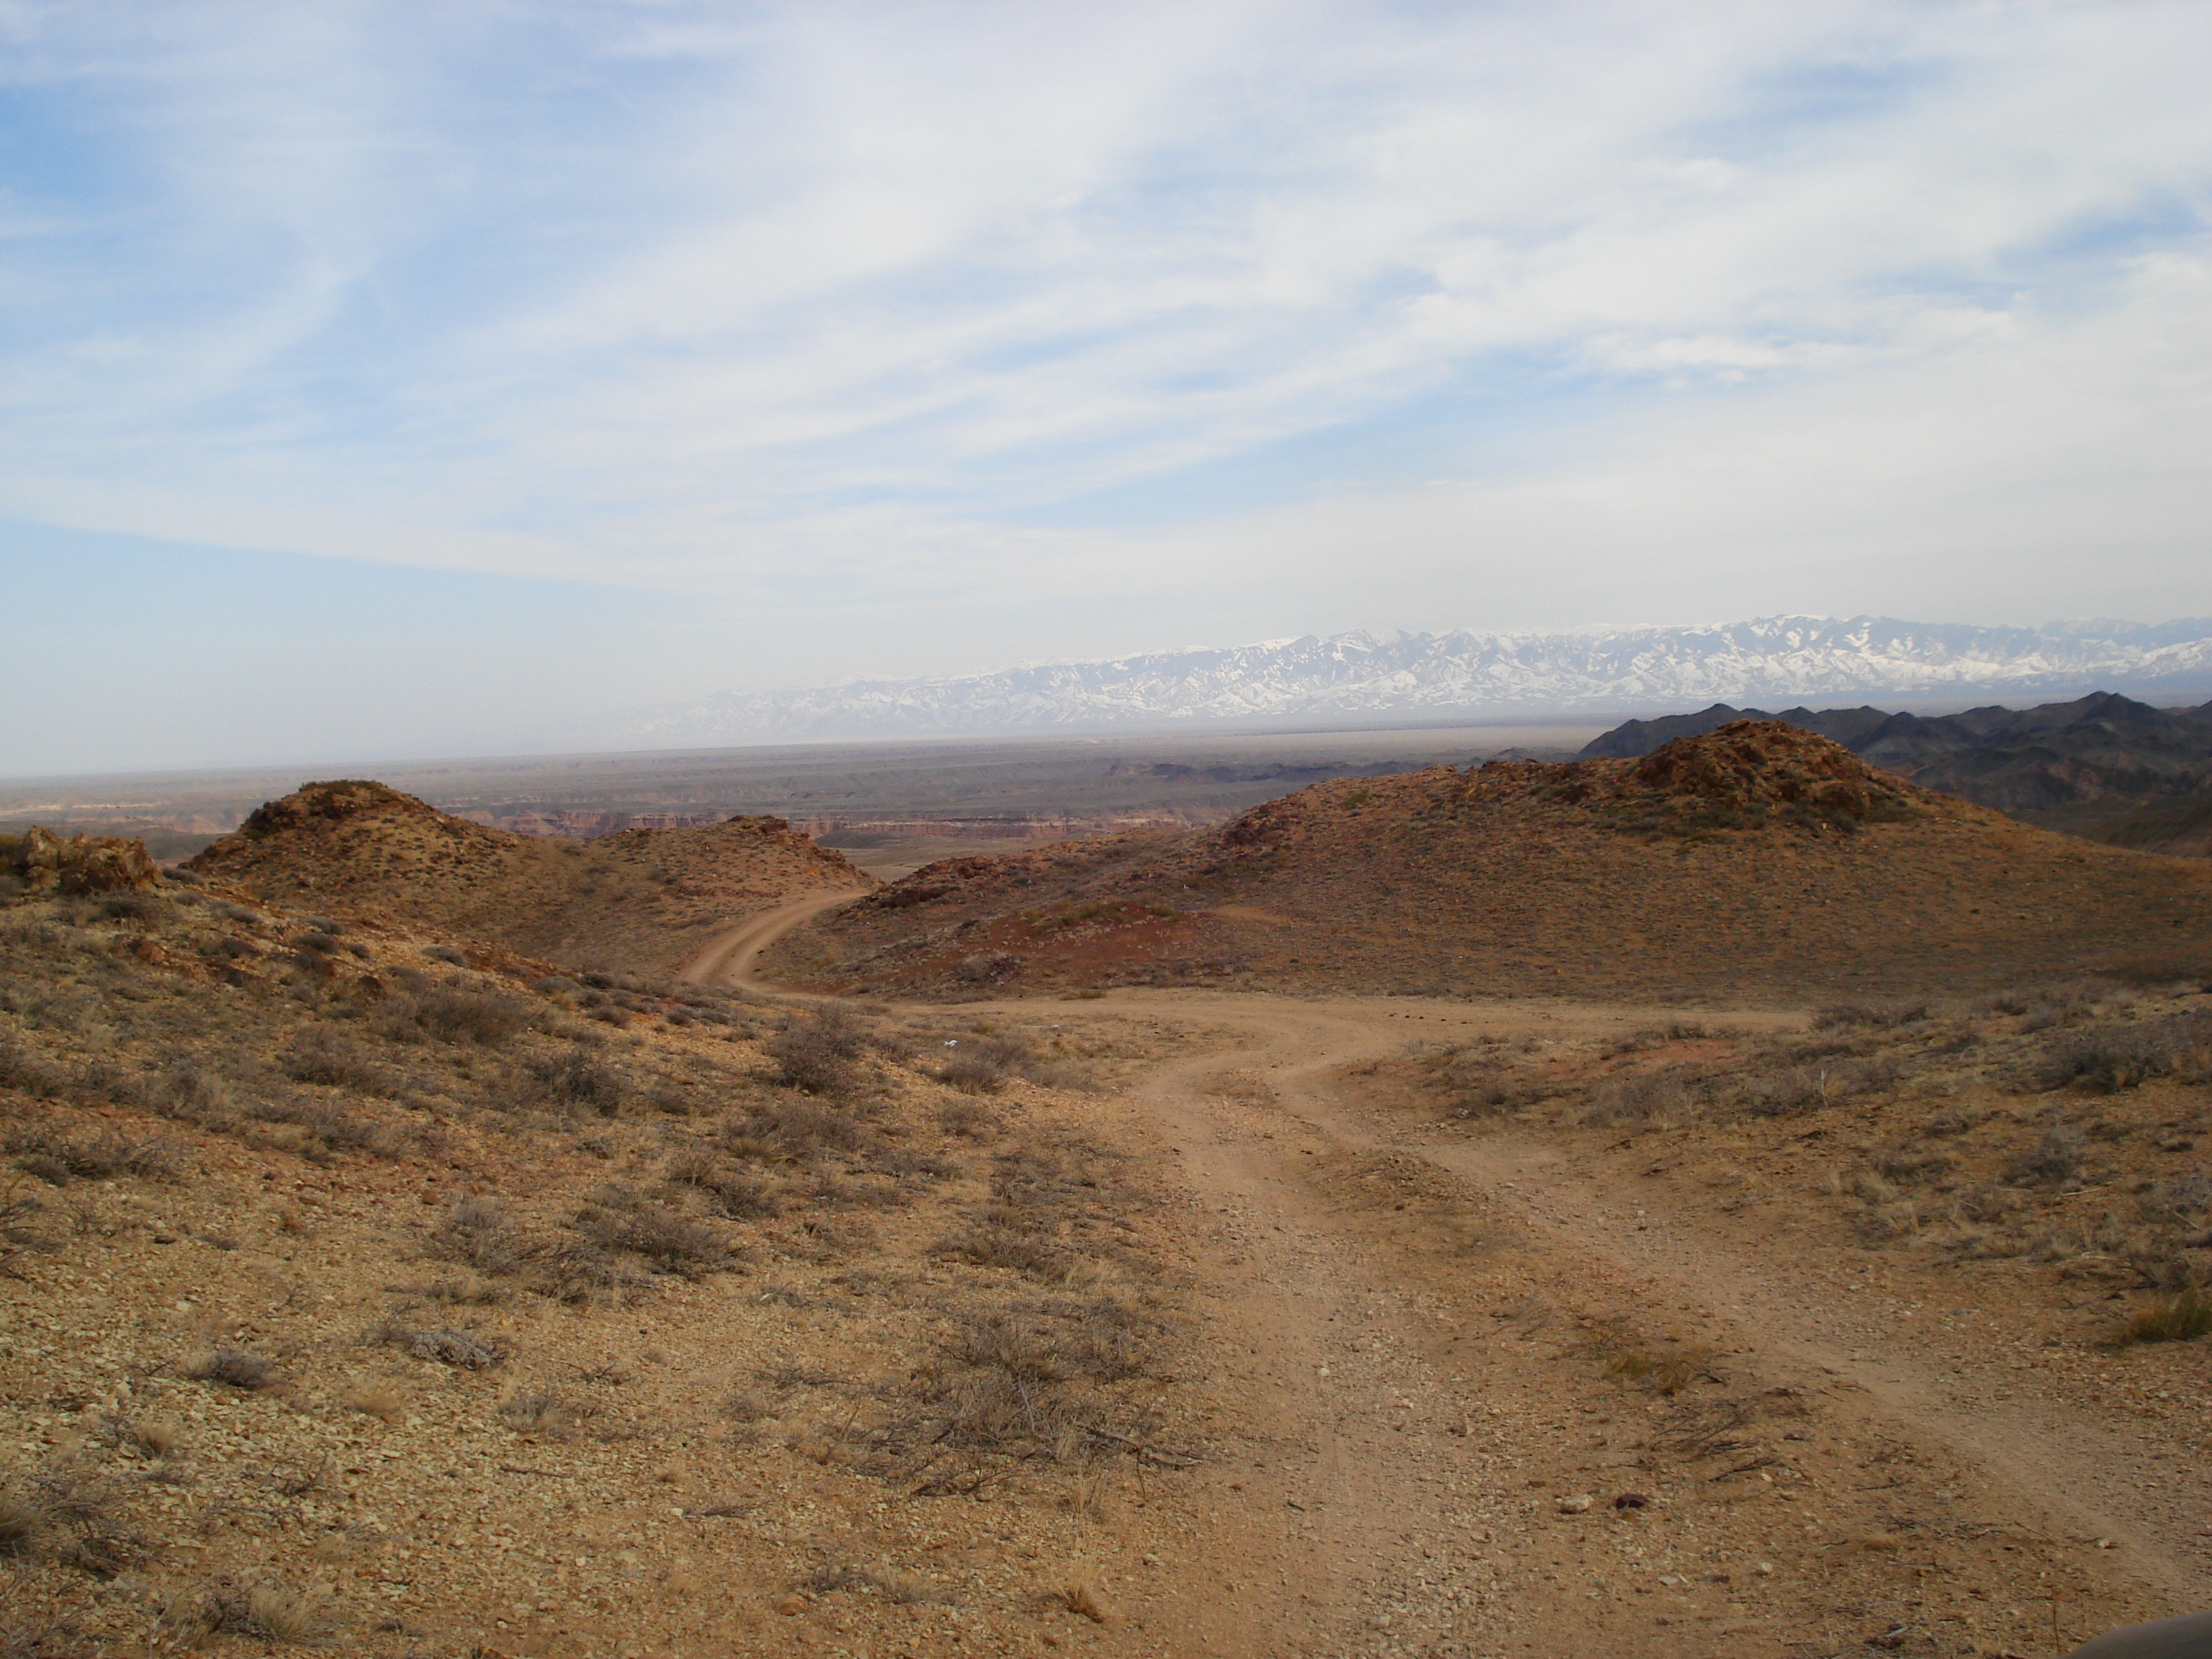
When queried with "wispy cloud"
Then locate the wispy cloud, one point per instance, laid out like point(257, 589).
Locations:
point(1026, 308)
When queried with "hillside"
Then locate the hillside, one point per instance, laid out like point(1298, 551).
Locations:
point(2089, 767)
point(355, 1299)
point(638, 898)
point(365, 1291)
point(1756, 859)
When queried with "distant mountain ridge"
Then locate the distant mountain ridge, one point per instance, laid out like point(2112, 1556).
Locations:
point(1362, 674)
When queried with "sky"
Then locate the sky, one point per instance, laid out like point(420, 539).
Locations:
point(374, 377)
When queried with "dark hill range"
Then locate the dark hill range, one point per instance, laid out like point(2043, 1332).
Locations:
point(638, 898)
point(2104, 766)
point(1758, 859)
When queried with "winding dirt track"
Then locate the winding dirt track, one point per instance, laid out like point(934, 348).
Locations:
point(1401, 1400)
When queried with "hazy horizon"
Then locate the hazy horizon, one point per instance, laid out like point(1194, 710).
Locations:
point(380, 376)
point(1138, 730)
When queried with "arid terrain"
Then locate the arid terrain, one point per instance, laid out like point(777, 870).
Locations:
point(637, 898)
point(1757, 861)
point(1756, 1251)
point(2104, 766)
point(986, 789)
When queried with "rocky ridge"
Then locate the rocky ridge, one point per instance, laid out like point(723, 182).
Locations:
point(637, 897)
point(2104, 766)
point(1757, 856)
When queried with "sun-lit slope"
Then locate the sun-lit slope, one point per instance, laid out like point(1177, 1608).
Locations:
point(1754, 859)
point(639, 898)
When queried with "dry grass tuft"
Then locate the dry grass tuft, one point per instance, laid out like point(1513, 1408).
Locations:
point(541, 1415)
point(1080, 1596)
point(2182, 1317)
point(270, 1613)
point(1665, 1368)
point(380, 1397)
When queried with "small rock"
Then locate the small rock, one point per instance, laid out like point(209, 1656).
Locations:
point(792, 1604)
point(1579, 1504)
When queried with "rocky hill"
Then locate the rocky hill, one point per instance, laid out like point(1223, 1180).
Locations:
point(638, 898)
point(2102, 766)
point(1756, 858)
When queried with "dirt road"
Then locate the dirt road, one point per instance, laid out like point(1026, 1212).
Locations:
point(1485, 1399)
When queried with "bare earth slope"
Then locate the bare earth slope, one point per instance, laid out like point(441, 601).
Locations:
point(1756, 859)
point(428, 1309)
point(638, 898)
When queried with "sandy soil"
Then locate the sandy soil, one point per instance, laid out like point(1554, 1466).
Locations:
point(1486, 1397)
point(1204, 1326)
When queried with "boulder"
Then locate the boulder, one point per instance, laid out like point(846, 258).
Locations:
point(45, 863)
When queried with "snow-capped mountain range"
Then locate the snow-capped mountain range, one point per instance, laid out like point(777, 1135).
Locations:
point(1363, 675)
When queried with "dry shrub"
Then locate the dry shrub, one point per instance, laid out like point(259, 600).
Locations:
point(451, 1014)
point(671, 1241)
point(2054, 1003)
point(1665, 1368)
point(1017, 1384)
point(2182, 1317)
point(1476, 1079)
point(992, 1245)
point(1912, 1168)
point(196, 1094)
point(31, 1074)
point(1879, 1014)
point(2111, 1058)
point(2181, 1202)
point(2055, 1157)
point(65, 1516)
point(271, 1613)
point(149, 1437)
point(58, 1159)
point(577, 1079)
point(963, 1118)
point(818, 1054)
point(326, 1126)
point(975, 1070)
point(237, 1367)
point(735, 1194)
point(1791, 1089)
point(792, 1129)
point(744, 1408)
point(324, 1054)
point(443, 1344)
point(1641, 1097)
point(537, 1412)
point(475, 1233)
point(1703, 1428)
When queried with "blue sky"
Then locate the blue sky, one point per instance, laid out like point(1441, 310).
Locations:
point(607, 353)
